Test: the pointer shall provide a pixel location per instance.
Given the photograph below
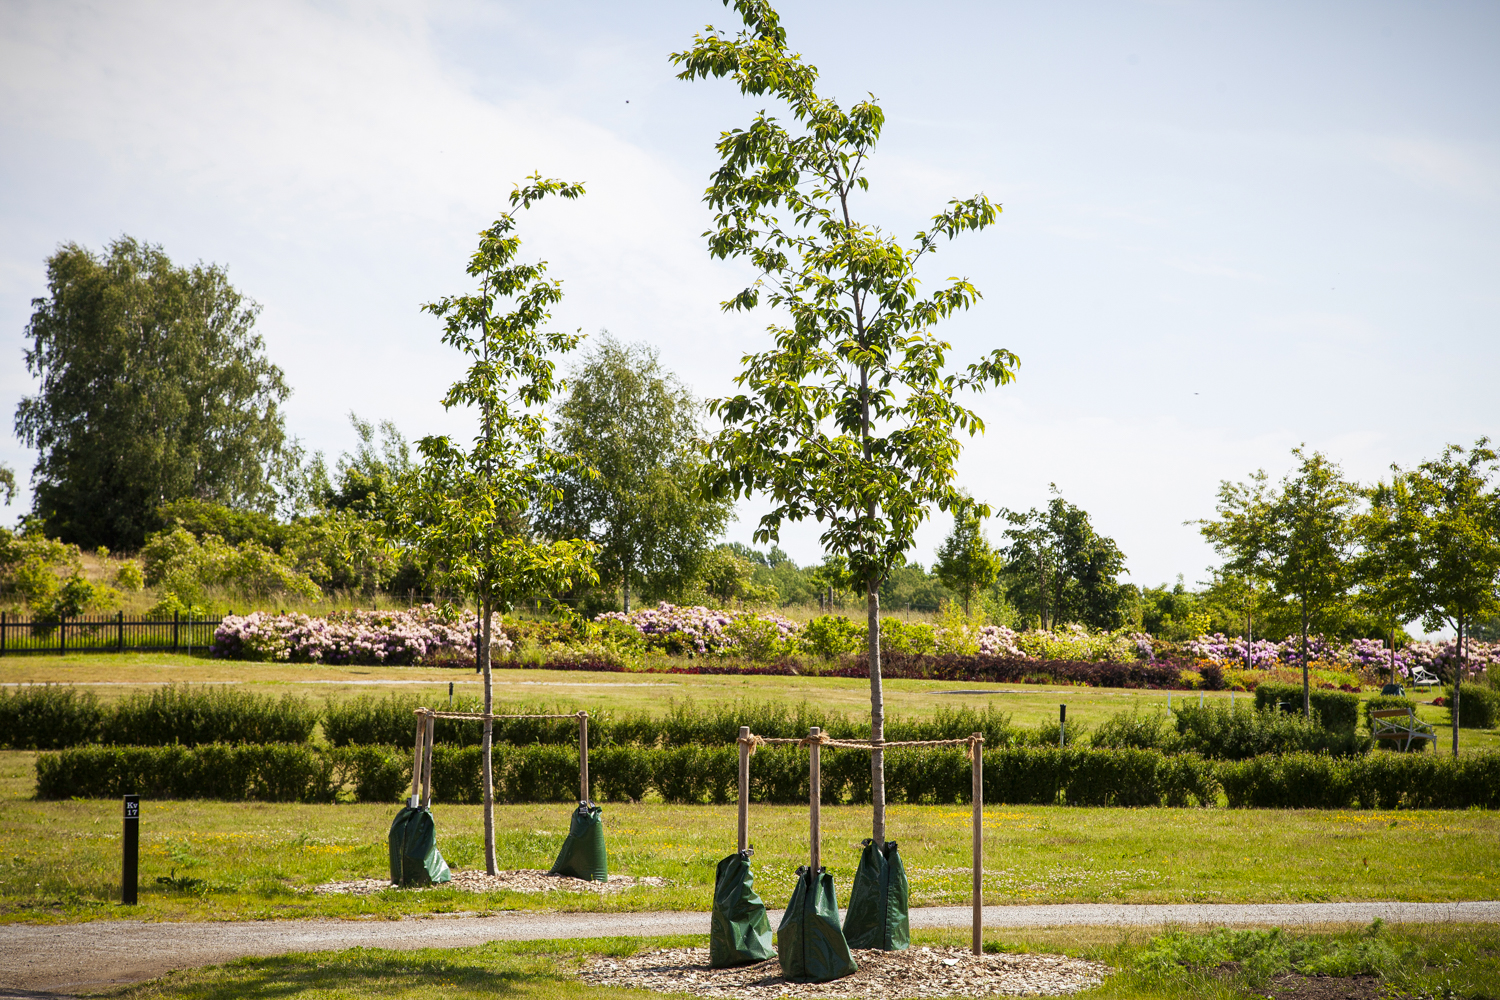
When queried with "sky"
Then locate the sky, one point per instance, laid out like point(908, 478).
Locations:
point(1228, 229)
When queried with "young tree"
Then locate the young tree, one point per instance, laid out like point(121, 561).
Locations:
point(467, 510)
point(1298, 538)
point(966, 563)
point(1062, 570)
point(849, 417)
point(7, 483)
point(154, 387)
point(1439, 527)
point(630, 420)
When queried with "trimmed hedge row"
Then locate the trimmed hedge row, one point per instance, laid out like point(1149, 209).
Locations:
point(1382, 780)
point(696, 774)
point(1478, 707)
point(389, 720)
point(49, 717)
point(1336, 710)
point(269, 772)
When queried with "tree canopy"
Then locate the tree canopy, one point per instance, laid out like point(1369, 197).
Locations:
point(850, 415)
point(1297, 537)
point(966, 562)
point(154, 388)
point(467, 510)
point(634, 430)
point(1059, 569)
point(1438, 526)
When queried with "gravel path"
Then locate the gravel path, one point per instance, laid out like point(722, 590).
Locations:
point(54, 957)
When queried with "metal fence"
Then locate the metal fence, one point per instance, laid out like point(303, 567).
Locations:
point(105, 634)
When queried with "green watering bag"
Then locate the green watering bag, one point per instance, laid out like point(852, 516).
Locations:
point(413, 843)
point(582, 855)
point(741, 932)
point(809, 942)
point(877, 915)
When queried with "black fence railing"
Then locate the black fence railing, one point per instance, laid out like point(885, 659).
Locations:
point(105, 634)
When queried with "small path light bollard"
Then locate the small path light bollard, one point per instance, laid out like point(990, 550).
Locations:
point(130, 861)
point(1062, 725)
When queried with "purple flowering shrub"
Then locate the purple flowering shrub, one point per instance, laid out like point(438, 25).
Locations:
point(392, 638)
point(1367, 657)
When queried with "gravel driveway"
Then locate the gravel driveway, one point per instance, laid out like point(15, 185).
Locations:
point(45, 958)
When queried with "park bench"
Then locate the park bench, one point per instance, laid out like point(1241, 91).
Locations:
point(1401, 726)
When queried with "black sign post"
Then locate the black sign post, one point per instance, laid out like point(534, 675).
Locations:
point(132, 849)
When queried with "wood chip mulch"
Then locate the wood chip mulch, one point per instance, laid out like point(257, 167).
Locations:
point(882, 975)
point(521, 880)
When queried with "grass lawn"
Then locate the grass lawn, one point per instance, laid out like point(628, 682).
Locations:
point(112, 676)
point(1415, 960)
point(61, 861)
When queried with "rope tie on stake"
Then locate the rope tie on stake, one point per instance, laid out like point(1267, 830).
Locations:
point(824, 740)
point(483, 715)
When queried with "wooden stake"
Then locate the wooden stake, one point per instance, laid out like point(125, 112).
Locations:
point(978, 747)
point(745, 787)
point(815, 780)
point(583, 757)
point(427, 762)
point(416, 762)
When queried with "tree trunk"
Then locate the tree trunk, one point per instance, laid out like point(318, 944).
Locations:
point(625, 590)
point(1458, 680)
point(1393, 654)
point(1306, 693)
point(486, 766)
point(877, 713)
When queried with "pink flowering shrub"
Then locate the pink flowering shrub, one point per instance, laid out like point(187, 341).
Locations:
point(393, 638)
point(1442, 657)
point(701, 631)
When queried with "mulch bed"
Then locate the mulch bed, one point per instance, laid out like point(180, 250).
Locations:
point(1292, 986)
point(520, 880)
point(882, 975)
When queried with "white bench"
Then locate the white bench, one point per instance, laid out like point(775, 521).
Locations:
point(1400, 725)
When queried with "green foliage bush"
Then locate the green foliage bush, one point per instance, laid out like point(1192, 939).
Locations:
point(197, 715)
point(1013, 775)
point(188, 566)
point(272, 772)
point(1385, 781)
point(370, 720)
point(1383, 703)
point(47, 717)
point(1237, 734)
point(1478, 707)
point(832, 636)
point(1336, 710)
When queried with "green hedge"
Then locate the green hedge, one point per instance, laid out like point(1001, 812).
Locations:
point(1241, 733)
point(271, 772)
point(389, 721)
point(48, 717)
point(1385, 781)
point(1478, 706)
point(1383, 703)
point(694, 774)
point(1336, 710)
